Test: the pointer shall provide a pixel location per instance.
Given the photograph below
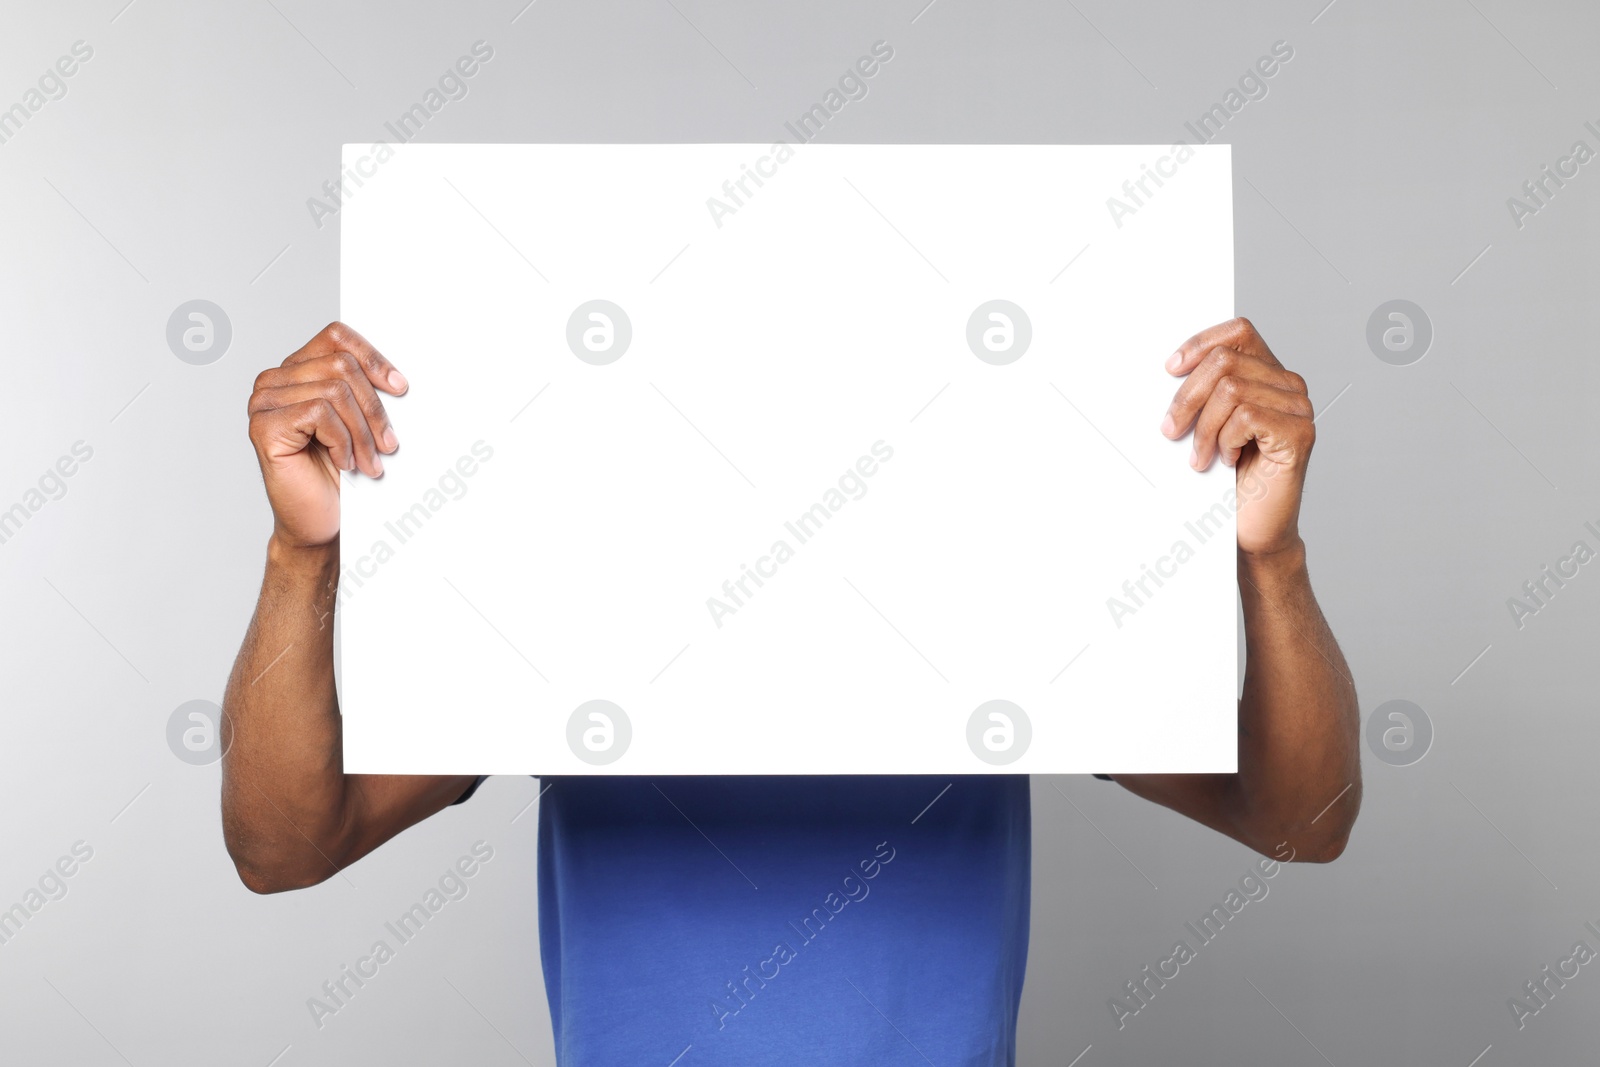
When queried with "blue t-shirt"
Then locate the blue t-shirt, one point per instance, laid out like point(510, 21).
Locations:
point(784, 920)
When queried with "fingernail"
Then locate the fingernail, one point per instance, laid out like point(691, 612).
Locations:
point(377, 462)
point(397, 381)
point(1168, 425)
point(1174, 361)
point(390, 441)
point(1194, 458)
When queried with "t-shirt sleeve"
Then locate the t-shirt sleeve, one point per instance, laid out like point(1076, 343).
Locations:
point(471, 789)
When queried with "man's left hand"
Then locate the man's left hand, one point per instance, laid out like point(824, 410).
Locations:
point(1254, 414)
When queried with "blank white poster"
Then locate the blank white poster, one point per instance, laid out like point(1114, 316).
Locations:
point(782, 459)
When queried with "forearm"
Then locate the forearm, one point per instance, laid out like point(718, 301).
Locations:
point(290, 815)
point(283, 786)
point(1299, 777)
point(1298, 786)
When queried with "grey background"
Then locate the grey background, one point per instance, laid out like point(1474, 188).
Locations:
point(1378, 167)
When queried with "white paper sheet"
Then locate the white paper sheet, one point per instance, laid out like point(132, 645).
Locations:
point(589, 557)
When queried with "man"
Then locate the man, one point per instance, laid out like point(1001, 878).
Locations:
point(828, 920)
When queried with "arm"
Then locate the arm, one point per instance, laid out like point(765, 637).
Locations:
point(291, 817)
point(1298, 787)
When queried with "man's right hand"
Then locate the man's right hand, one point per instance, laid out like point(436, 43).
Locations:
point(313, 416)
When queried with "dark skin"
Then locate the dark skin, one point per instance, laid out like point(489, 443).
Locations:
point(293, 818)
point(1298, 787)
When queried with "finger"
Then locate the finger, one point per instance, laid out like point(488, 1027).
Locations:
point(1239, 334)
point(1228, 397)
point(337, 337)
point(1284, 436)
point(1221, 364)
point(335, 391)
point(340, 366)
point(286, 431)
